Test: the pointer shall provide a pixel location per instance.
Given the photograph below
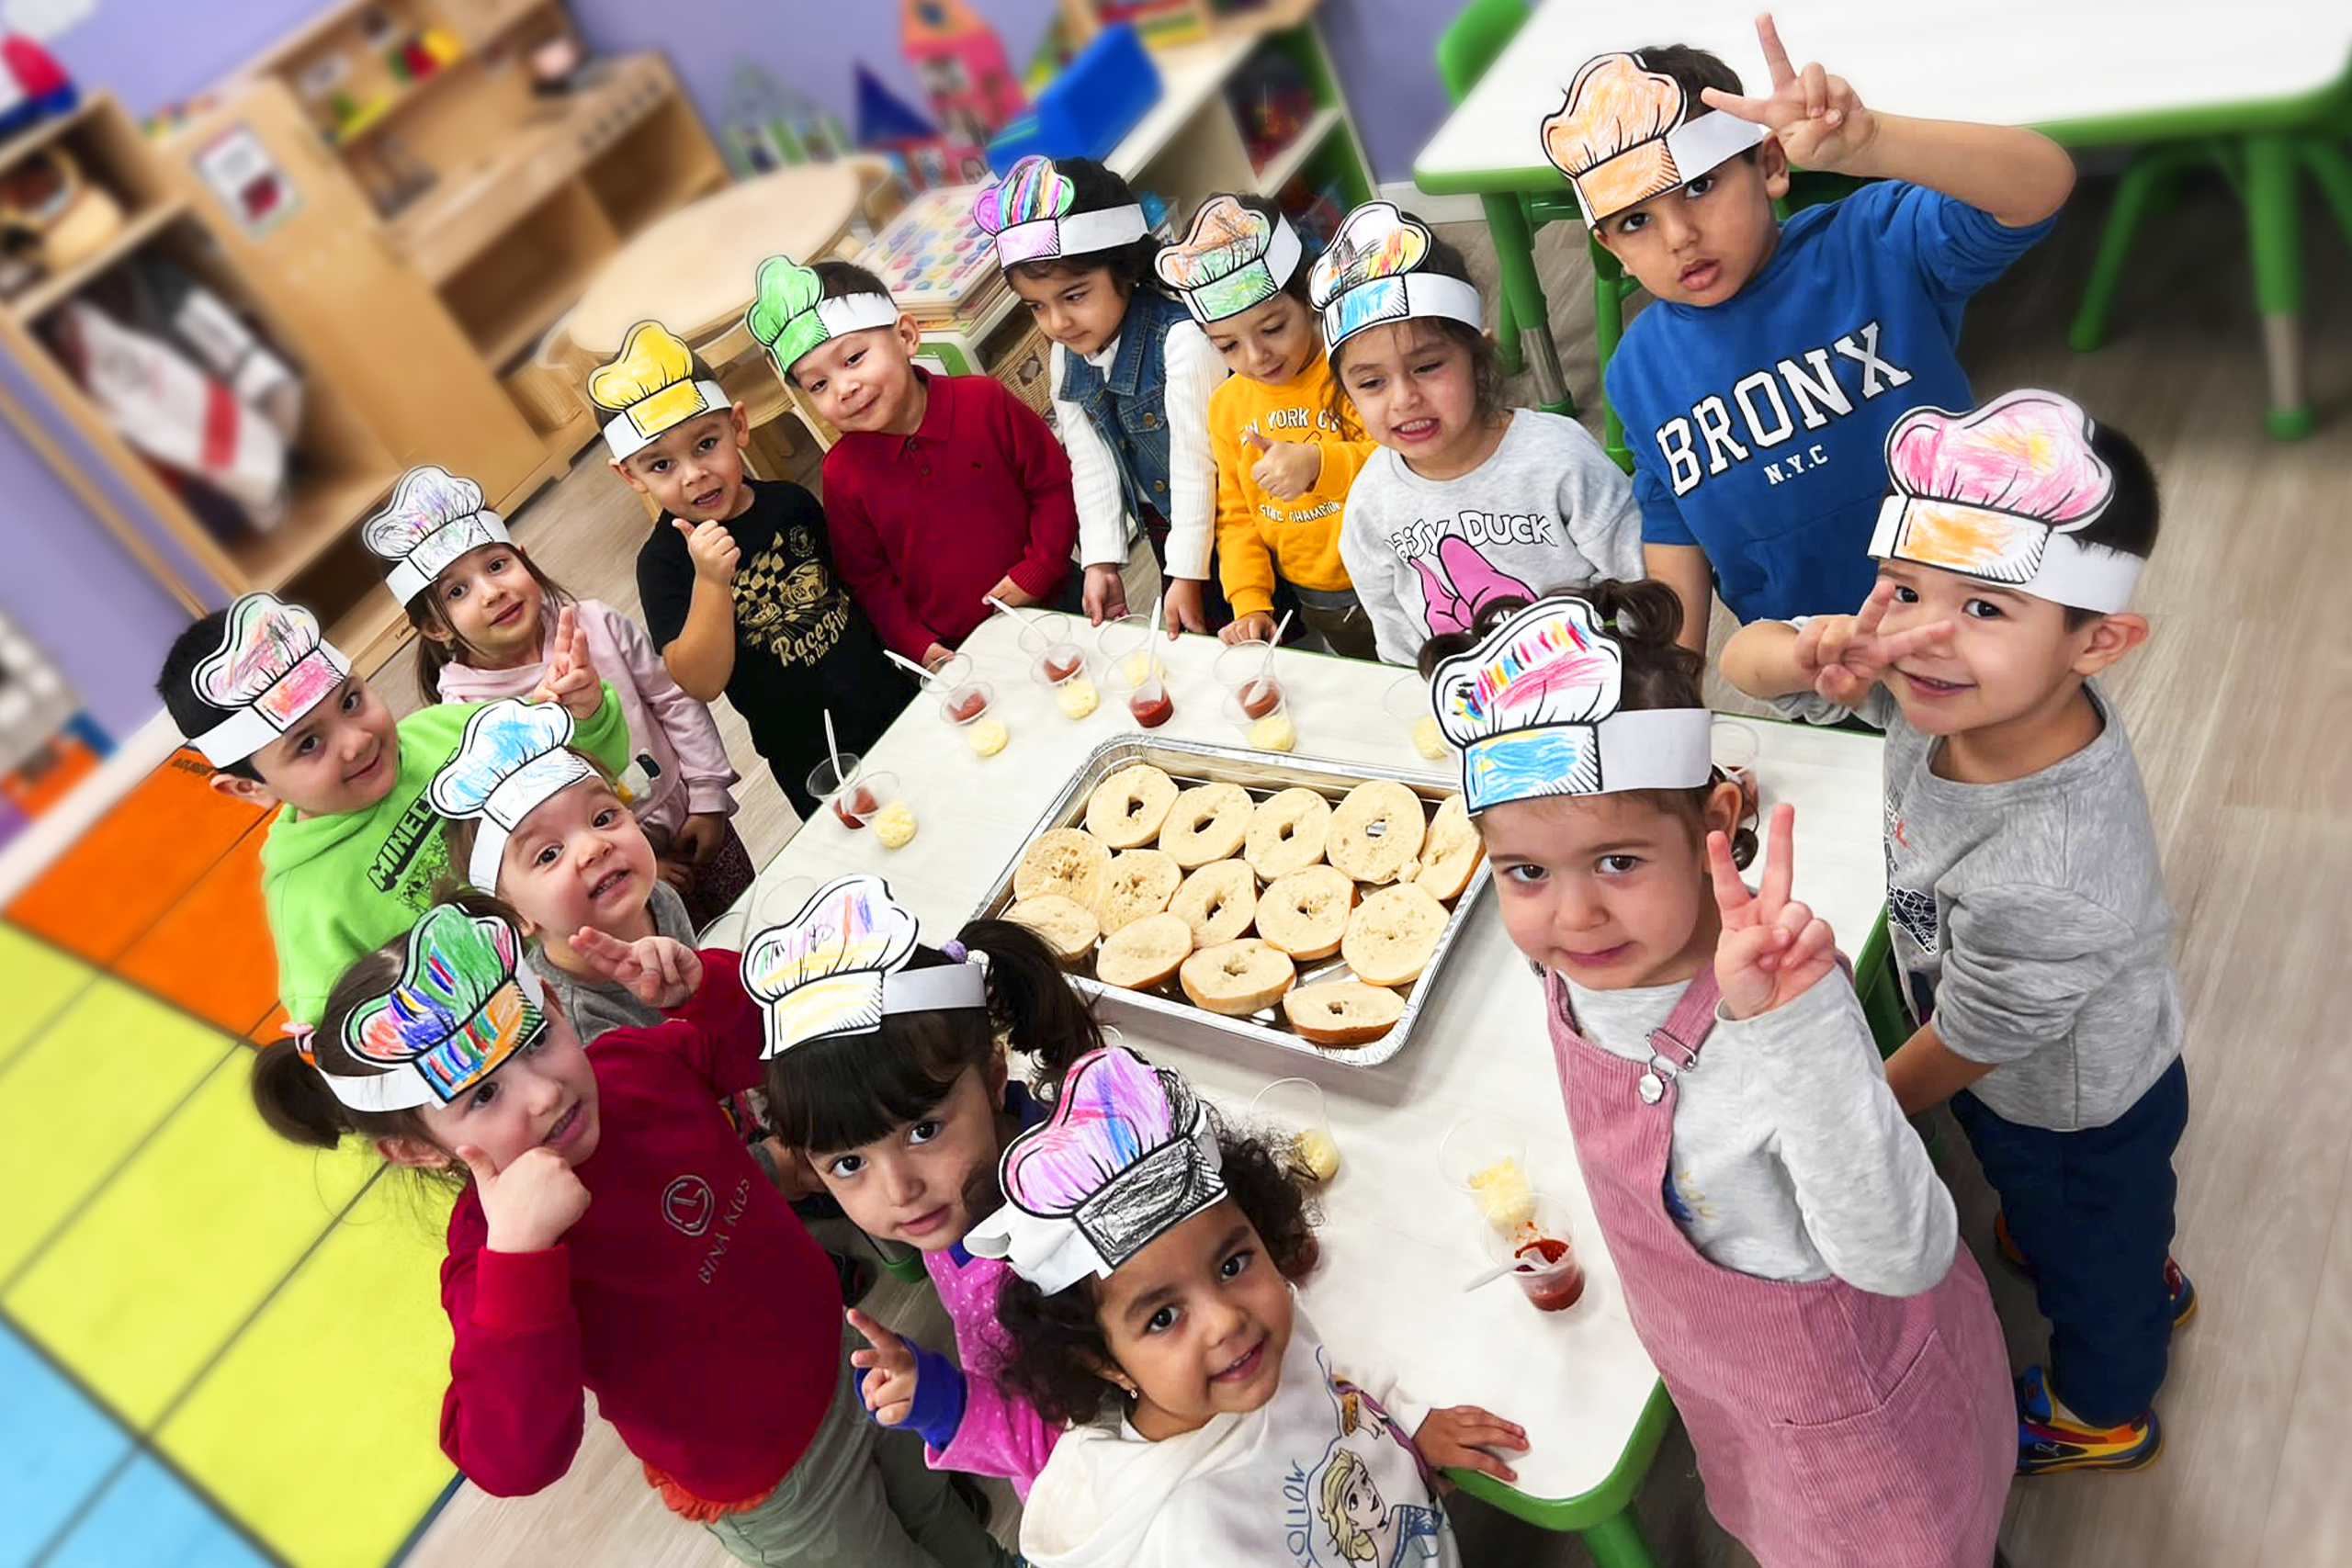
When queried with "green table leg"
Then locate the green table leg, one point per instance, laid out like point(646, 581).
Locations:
point(2334, 172)
point(2272, 226)
point(1617, 1542)
point(1507, 349)
point(2147, 174)
point(1515, 257)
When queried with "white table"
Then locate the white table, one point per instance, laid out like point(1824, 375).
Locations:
point(2087, 72)
point(1396, 1242)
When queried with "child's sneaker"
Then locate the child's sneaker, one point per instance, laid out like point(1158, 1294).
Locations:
point(2049, 1442)
point(2178, 1292)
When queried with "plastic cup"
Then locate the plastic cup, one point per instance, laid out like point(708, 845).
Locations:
point(967, 701)
point(1260, 712)
point(1296, 1105)
point(776, 899)
point(951, 671)
point(726, 930)
point(865, 797)
point(1150, 701)
point(1407, 701)
point(1115, 639)
point(823, 782)
point(1554, 1282)
point(1237, 664)
point(1484, 1158)
point(1736, 747)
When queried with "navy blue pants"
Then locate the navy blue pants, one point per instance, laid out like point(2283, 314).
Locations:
point(2092, 1212)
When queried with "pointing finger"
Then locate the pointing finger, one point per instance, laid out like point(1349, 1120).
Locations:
point(1779, 860)
point(1731, 893)
point(1755, 111)
point(1816, 90)
point(1873, 610)
point(1776, 57)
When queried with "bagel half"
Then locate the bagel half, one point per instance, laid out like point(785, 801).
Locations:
point(1126, 809)
point(1206, 822)
point(1138, 882)
point(1305, 913)
point(1287, 832)
point(1391, 935)
point(1236, 978)
point(1375, 830)
point(1143, 954)
point(1066, 927)
point(1063, 860)
point(1219, 901)
point(1342, 1012)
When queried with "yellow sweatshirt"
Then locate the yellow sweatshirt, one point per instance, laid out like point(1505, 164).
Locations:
point(1257, 536)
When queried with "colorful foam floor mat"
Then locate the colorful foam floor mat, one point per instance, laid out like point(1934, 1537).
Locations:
point(218, 1350)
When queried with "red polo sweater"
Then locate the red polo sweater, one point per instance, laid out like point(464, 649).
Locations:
point(925, 525)
point(688, 1296)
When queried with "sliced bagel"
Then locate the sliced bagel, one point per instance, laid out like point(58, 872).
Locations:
point(1342, 1012)
point(1287, 832)
point(1143, 954)
point(1450, 854)
point(1375, 830)
point(1236, 978)
point(1068, 927)
point(1063, 860)
point(1139, 883)
point(1391, 935)
point(1219, 901)
point(1127, 808)
point(1305, 913)
point(1206, 822)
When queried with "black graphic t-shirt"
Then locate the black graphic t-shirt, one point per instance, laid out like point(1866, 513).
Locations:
point(801, 644)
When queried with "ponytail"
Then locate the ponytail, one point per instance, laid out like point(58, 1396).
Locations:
point(294, 1100)
point(1032, 1001)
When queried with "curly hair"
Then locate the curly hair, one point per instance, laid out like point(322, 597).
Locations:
point(1054, 1344)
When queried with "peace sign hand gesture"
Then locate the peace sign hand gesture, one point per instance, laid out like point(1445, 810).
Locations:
point(1819, 118)
point(659, 971)
point(1773, 948)
point(1846, 655)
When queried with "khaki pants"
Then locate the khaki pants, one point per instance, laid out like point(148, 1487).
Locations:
point(860, 1497)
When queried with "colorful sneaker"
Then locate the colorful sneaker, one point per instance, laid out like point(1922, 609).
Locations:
point(2178, 1292)
point(2048, 1443)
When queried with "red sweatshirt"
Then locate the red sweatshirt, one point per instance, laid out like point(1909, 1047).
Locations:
point(925, 525)
point(688, 1296)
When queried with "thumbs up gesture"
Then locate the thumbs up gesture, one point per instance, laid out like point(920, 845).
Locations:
point(1283, 470)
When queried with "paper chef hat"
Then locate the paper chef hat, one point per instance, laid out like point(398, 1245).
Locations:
point(1232, 260)
point(1998, 494)
point(513, 756)
point(650, 387)
point(463, 1004)
point(1127, 1155)
point(1624, 134)
point(433, 518)
point(1533, 711)
point(1028, 214)
point(789, 319)
point(839, 967)
point(1372, 274)
point(271, 669)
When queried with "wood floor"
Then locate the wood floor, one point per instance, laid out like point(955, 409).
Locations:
point(2241, 711)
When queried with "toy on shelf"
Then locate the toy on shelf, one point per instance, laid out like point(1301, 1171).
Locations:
point(924, 158)
point(770, 126)
point(961, 63)
point(33, 86)
point(1086, 111)
point(1272, 103)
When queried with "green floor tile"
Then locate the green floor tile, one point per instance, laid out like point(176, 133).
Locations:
point(163, 1264)
point(37, 979)
point(318, 1429)
point(83, 1097)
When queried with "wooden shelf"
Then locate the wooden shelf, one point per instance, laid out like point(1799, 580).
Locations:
point(50, 293)
point(26, 144)
point(371, 633)
point(346, 136)
point(535, 312)
point(1282, 165)
point(324, 509)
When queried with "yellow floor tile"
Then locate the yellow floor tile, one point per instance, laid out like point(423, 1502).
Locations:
point(161, 1267)
point(318, 1428)
point(79, 1100)
point(38, 979)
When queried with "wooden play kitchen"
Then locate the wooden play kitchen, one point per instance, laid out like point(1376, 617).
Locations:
point(1404, 1220)
point(404, 195)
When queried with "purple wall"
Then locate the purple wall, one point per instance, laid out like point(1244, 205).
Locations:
point(94, 610)
point(1385, 54)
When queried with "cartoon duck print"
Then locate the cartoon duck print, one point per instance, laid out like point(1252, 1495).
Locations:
point(1462, 583)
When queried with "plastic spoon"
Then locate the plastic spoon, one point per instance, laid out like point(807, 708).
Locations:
point(1516, 1266)
point(1025, 618)
point(1266, 668)
point(910, 667)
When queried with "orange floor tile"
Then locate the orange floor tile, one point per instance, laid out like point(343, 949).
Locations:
point(211, 952)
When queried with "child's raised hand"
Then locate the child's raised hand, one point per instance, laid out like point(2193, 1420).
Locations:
point(1819, 119)
point(529, 1206)
point(1773, 948)
point(711, 549)
point(1106, 594)
point(1284, 469)
point(1255, 626)
point(1458, 1436)
point(659, 971)
point(1185, 605)
point(1846, 655)
point(571, 677)
point(888, 1386)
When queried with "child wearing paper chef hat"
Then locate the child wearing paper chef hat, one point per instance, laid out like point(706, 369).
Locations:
point(944, 490)
point(1788, 1253)
point(1285, 449)
point(1756, 395)
point(1149, 1309)
point(611, 1232)
point(1132, 379)
point(2026, 900)
point(1466, 500)
point(355, 851)
point(490, 623)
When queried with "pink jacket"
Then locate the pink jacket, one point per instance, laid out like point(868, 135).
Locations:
point(1001, 1434)
point(666, 727)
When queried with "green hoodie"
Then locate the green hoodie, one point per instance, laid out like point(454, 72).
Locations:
point(341, 886)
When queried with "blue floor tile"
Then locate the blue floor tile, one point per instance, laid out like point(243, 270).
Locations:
point(148, 1520)
point(55, 1450)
